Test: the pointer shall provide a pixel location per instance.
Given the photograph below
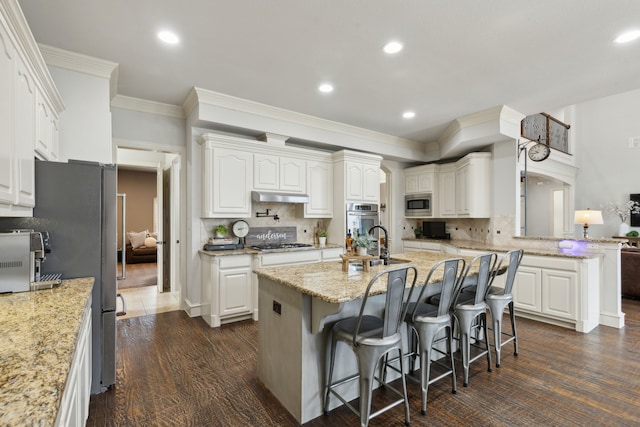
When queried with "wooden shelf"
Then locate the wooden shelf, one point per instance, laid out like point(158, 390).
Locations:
point(633, 241)
point(346, 259)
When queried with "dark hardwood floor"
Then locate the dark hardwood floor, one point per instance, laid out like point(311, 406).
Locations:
point(173, 370)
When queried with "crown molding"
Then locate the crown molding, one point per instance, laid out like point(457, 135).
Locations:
point(199, 96)
point(85, 64)
point(28, 48)
point(145, 106)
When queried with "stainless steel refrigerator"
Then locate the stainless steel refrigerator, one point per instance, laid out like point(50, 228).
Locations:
point(76, 204)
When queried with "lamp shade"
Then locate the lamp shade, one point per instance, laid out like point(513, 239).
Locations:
point(588, 217)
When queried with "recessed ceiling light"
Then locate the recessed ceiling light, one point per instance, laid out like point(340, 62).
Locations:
point(409, 114)
point(325, 88)
point(168, 37)
point(628, 36)
point(393, 47)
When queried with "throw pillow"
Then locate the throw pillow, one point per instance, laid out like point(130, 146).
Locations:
point(137, 238)
point(150, 242)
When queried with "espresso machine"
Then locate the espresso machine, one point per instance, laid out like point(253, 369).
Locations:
point(22, 253)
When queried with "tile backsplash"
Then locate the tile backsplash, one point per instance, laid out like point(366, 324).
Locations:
point(305, 227)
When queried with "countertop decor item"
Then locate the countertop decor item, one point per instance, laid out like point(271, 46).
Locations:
point(623, 211)
point(322, 237)
point(362, 243)
point(587, 217)
point(220, 231)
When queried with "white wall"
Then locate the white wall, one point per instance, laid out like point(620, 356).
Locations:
point(608, 168)
point(85, 125)
point(154, 128)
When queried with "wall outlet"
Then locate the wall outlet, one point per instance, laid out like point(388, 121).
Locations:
point(277, 307)
point(634, 142)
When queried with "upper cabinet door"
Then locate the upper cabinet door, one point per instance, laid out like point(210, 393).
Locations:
point(44, 121)
point(371, 183)
point(275, 173)
point(266, 172)
point(354, 172)
point(320, 188)
point(7, 55)
point(292, 175)
point(227, 180)
point(24, 135)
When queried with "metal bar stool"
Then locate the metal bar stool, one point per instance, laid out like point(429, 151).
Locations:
point(470, 310)
point(499, 298)
point(425, 322)
point(371, 338)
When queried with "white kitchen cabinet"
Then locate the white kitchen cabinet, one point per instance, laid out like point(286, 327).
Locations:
point(227, 175)
point(266, 172)
point(332, 254)
point(418, 246)
point(464, 188)
point(527, 292)
point(275, 173)
point(319, 189)
point(23, 76)
point(7, 157)
point(273, 259)
point(292, 175)
point(24, 135)
point(227, 288)
point(446, 191)
point(46, 141)
point(473, 186)
point(559, 290)
point(356, 179)
point(74, 405)
point(362, 181)
point(420, 179)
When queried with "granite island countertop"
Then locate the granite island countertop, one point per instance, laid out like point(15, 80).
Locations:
point(327, 281)
point(37, 344)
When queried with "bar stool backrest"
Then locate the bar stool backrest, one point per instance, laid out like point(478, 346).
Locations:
point(393, 311)
point(486, 267)
point(514, 258)
point(452, 273)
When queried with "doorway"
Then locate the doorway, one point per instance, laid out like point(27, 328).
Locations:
point(164, 169)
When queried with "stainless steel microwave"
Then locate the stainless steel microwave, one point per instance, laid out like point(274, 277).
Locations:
point(418, 205)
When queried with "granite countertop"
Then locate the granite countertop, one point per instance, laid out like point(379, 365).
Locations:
point(37, 344)
point(579, 251)
point(328, 282)
point(249, 251)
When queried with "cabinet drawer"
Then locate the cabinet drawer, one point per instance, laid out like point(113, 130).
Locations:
point(235, 261)
point(284, 258)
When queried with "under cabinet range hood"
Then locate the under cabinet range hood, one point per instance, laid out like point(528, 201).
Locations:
point(265, 196)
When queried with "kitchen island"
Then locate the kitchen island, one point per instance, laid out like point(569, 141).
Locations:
point(40, 333)
point(298, 304)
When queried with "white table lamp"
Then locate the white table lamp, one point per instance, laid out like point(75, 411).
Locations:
point(588, 217)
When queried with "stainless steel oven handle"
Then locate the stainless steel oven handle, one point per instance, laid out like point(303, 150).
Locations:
point(123, 260)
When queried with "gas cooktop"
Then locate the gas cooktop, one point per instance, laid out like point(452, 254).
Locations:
point(275, 246)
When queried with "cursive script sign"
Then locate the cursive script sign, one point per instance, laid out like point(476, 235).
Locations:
point(259, 235)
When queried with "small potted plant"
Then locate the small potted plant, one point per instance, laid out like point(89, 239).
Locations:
point(322, 237)
point(220, 231)
point(362, 243)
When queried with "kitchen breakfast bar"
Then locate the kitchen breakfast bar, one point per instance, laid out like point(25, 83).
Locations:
point(297, 306)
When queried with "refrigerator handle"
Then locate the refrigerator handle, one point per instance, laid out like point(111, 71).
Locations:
point(123, 211)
